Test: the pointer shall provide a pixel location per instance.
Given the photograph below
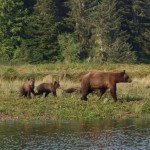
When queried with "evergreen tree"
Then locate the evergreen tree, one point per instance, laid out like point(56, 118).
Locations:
point(48, 30)
point(41, 41)
point(112, 32)
point(62, 15)
point(126, 29)
point(29, 4)
point(12, 22)
point(141, 11)
point(80, 11)
point(70, 47)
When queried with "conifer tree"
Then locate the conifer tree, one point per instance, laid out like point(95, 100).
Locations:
point(41, 41)
point(80, 11)
point(141, 12)
point(12, 22)
point(112, 31)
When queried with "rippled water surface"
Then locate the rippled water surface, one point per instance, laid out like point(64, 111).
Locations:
point(88, 135)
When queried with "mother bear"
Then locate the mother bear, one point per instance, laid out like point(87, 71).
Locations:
point(102, 81)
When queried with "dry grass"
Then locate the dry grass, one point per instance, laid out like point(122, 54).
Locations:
point(69, 75)
point(138, 89)
point(135, 95)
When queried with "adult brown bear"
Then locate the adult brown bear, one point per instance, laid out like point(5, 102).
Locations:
point(27, 88)
point(102, 81)
point(47, 88)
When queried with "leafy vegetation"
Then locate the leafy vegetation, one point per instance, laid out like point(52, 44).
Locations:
point(41, 31)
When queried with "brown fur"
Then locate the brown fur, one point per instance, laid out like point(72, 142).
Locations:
point(27, 88)
point(102, 81)
point(47, 88)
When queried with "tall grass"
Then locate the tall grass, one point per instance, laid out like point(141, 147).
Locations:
point(133, 98)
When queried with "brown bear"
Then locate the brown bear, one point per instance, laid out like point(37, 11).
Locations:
point(47, 88)
point(102, 81)
point(27, 88)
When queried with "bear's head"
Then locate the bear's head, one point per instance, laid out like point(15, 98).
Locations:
point(125, 77)
point(31, 82)
point(56, 85)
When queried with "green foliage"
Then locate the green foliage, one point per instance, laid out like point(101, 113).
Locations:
point(79, 16)
point(70, 47)
point(12, 22)
point(141, 11)
point(41, 42)
point(120, 52)
point(113, 42)
point(93, 30)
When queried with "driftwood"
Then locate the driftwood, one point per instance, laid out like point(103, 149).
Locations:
point(72, 90)
point(77, 90)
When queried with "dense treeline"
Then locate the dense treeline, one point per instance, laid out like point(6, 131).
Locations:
point(74, 30)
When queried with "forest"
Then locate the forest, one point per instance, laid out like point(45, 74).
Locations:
point(48, 31)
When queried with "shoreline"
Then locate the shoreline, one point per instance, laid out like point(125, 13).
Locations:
point(56, 110)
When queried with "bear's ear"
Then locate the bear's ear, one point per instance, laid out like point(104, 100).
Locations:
point(123, 71)
point(55, 82)
point(33, 79)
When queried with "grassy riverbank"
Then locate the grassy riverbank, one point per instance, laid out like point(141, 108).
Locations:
point(135, 96)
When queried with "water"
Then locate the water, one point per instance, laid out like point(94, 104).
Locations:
point(88, 135)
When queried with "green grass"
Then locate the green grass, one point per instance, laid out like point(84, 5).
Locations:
point(133, 98)
point(62, 108)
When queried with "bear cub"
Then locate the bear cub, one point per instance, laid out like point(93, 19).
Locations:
point(27, 88)
point(47, 88)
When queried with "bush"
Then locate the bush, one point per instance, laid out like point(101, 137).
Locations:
point(70, 47)
point(121, 52)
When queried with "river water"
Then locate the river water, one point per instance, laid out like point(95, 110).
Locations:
point(129, 134)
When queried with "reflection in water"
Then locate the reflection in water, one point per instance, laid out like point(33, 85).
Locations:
point(108, 135)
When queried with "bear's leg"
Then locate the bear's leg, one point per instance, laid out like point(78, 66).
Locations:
point(102, 91)
point(25, 94)
point(29, 94)
point(84, 97)
point(54, 93)
point(84, 94)
point(85, 89)
point(22, 93)
point(40, 93)
point(113, 92)
point(32, 91)
point(46, 94)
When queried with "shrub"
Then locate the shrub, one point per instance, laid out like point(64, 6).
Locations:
point(10, 74)
point(70, 47)
point(121, 52)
